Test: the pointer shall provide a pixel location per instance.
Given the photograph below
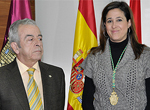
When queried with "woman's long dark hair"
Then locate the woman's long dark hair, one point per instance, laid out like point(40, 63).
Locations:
point(136, 46)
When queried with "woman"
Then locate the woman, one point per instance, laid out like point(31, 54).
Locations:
point(116, 70)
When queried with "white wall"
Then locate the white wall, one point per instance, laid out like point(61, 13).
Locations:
point(57, 21)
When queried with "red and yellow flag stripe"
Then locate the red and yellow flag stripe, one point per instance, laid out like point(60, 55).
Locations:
point(85, 38)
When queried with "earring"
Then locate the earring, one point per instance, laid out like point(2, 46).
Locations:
point(105, 34)
point(128, 30)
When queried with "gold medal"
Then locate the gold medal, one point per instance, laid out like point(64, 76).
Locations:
point(113, 98)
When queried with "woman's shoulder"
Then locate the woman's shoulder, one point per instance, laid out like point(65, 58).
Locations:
point(146, 53)
point(91, 58)
point(146, 50)
point(95, 55)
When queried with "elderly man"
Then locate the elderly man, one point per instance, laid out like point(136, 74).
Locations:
point(27, 83)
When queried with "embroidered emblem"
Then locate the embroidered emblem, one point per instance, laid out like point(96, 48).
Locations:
point(77, 77)
point(6, 55)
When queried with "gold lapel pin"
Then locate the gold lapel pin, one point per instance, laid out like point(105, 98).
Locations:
point(50, 76)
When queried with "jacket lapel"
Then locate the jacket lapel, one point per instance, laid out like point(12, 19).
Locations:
point(16, 83)
point(128, 55)
point(108, 66)
point(46, 86)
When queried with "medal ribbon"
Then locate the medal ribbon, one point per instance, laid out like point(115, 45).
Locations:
point(114, 68)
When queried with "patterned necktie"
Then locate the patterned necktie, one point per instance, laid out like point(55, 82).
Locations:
point(34, 96)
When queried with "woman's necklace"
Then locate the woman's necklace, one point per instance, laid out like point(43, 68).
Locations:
point(113, 97)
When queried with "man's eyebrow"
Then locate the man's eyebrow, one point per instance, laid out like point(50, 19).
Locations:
point(40, 35)
point(28, 35)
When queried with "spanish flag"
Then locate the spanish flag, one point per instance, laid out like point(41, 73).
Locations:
point(85, 38)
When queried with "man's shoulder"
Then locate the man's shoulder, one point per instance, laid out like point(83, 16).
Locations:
point(49, 66)
point(55, 71)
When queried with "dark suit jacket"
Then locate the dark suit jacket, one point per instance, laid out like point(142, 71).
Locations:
point(12, 91)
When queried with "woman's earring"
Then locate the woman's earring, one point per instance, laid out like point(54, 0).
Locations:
point(129, 30)
point(105, 34)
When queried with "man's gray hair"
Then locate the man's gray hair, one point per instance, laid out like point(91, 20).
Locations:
point(13, 30)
